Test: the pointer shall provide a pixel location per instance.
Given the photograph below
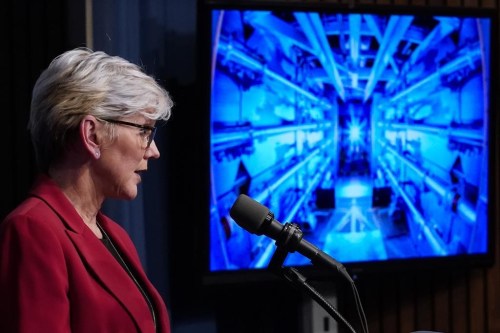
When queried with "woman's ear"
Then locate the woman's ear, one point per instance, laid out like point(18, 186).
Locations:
point(89, 135)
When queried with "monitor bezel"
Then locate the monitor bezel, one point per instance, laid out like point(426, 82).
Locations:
point(249, 276)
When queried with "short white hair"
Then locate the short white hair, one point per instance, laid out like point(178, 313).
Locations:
point(83, 82)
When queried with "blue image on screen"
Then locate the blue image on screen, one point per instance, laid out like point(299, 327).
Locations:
point(369, 131)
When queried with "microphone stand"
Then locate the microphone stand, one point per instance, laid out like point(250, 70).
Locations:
point(287, 242)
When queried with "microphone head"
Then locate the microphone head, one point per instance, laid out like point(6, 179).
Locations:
point(249, 214)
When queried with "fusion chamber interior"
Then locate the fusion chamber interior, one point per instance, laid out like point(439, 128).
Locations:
point(369, 131)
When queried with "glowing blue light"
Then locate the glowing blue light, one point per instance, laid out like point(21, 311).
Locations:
point(354, 133)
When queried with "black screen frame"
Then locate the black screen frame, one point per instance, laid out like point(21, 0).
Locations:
point(246, 276)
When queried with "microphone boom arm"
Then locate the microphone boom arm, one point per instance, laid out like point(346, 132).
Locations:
point(259, 220)
point(287, 241)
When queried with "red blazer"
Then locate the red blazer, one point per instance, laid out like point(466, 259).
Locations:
point(56, 276)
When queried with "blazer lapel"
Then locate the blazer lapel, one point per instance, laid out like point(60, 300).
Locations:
point(124, 244)
point(112, 275)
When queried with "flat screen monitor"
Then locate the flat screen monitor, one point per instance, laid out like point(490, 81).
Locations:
point(369, 129)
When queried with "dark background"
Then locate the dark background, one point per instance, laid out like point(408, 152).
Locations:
point(166, 221)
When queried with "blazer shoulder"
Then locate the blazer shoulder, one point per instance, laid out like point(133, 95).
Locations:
point(31, 214)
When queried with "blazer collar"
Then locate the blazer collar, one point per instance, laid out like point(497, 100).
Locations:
point(47, 190)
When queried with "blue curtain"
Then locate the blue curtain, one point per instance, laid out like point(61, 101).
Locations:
point(121, 28)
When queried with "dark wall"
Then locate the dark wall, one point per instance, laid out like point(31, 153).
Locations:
point(33, 33)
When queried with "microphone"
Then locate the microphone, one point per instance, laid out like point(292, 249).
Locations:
point(258, 219)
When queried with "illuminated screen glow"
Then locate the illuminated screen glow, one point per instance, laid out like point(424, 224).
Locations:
point(369, 131)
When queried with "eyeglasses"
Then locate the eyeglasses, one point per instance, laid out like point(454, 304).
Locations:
point(152, 130)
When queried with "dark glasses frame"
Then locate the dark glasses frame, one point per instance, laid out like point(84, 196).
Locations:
point(127, 123)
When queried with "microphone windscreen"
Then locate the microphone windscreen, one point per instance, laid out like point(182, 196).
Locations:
point(249, 214)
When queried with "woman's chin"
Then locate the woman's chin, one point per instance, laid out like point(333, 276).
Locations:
point(128, 193)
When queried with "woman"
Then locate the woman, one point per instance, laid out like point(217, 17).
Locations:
point(64, 265)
